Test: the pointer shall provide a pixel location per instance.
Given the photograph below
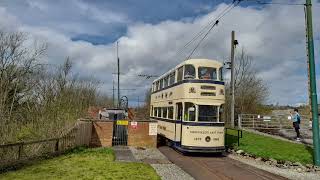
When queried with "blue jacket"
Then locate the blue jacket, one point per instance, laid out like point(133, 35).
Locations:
point(294, 117)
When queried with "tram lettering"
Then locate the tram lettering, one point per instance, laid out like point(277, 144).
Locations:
point(215, 139)
point(197, 139)
point(199, 132)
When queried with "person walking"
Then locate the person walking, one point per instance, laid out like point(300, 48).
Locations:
point(295, 117)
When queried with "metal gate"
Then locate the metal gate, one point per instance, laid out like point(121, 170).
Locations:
point(120, 125)
point(120, 133)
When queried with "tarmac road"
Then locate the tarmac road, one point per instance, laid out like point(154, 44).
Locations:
point(216, 167)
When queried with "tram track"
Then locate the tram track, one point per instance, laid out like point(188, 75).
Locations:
point(216, 167)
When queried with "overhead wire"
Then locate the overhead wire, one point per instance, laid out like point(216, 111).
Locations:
point(202, 31)
point(226, 11)
point(278, 3)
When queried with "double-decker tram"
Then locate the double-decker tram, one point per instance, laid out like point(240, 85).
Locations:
point(187, 102)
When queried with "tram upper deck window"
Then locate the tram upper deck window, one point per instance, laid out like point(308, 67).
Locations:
point(208, 113)
point(165, 81)
point(161, 83)
point(189, 72)
point(189, 112)
point(221, 74)
point(157, 85)
point(180, 73)
point(172, 78)
point(207, 73)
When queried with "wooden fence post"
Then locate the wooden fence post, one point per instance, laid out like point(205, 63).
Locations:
point(57, 146)
point(20, 149)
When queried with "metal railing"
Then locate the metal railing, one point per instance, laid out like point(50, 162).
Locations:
point(254, 121)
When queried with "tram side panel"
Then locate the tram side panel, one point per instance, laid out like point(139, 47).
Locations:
point(202, 136)
point(166, 129)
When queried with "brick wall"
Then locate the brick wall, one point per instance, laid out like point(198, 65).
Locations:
point(101, 134)
point(140, 137)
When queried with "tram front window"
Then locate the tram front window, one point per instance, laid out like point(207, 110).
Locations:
point(208, 113)
point(189, 112)
point(189, 72)
point(207, 73)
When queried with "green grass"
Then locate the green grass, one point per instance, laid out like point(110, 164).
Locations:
point(84, 164)
point(267, 147)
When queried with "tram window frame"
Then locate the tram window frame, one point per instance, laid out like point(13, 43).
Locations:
point(170, 112)
point(206, 119)
point(221, 109)
point(186, 114)
point(179, 111)
point(158, 85)
point(151, 112)
point(165, 81)
point(164, 112)
point(192, 75)
point(161, 83)
point(212, 76)
point(221, 74)
point(172, 78)
point(155, 113)
point(180, 73)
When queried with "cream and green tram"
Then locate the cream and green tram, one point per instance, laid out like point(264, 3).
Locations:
point(187, 102)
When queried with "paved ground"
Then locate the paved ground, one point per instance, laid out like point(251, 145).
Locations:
point(123, 153)
point(216, 167)
point(164, 168)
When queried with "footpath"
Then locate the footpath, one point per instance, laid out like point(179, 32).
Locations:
point(164, 168)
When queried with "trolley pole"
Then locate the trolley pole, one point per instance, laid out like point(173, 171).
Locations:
point(118, 60)
point(313, 88)
point(232, 77)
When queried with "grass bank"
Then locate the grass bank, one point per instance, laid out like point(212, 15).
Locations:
point(267, 147)
point(84, 164)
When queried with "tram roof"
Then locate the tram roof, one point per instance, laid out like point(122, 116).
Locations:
point(202, 62)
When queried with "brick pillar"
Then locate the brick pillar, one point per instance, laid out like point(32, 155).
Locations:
point(101, 134)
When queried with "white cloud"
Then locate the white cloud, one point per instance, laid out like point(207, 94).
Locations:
point(273, 36)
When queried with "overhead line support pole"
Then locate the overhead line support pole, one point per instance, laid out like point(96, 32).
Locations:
point(232, 78)
point(313, 88)
point(118, 61)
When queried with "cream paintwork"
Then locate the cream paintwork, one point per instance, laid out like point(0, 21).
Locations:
point(197, 63)
point(180, 94)
point(196, 136)
point(167, 129)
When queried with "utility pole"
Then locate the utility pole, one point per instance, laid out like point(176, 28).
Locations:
point(233, 44)
point(113, 93)
point(118, 60)
point(313, 88)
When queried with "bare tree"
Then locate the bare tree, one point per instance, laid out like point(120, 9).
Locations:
point(35, 100)
point(251, 92)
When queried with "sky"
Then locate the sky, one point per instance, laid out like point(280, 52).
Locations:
point(152, 34)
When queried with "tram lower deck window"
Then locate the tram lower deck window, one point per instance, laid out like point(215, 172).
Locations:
point(208, 113)
point(170, 112)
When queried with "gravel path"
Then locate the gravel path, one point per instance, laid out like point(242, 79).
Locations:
point(165, 169)
point(288, 173)
point(171, 172)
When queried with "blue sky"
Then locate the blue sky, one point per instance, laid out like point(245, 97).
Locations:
point(151, 32)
